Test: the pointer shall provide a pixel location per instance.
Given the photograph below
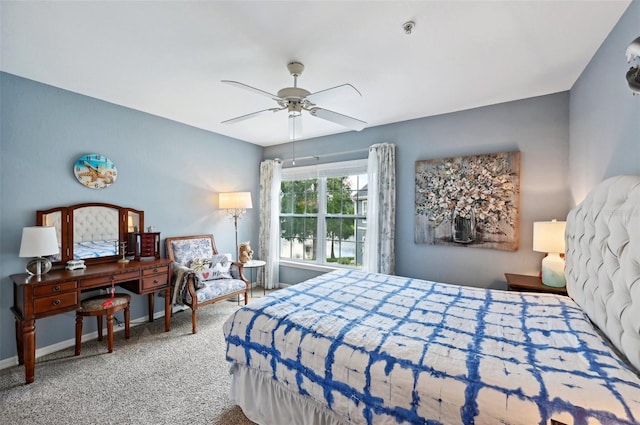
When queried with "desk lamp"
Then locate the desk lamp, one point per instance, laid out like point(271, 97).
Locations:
point(38, 241)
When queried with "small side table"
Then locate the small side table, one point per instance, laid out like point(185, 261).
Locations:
point(525, 283)
point(256, 264)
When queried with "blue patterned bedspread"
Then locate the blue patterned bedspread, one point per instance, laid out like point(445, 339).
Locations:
point(385, 349)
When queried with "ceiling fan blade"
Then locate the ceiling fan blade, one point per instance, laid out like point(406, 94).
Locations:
point(343, 120)
point(252, 89)
point(344, 91)
point(295, 127)
point(251, 115)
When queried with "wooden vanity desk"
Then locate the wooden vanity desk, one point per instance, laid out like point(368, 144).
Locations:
point(93, 232)
point(59, 292)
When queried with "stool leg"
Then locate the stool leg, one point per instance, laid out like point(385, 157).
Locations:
point(127, 333)
point(99, 318)
point(110, 330)
point(78, 333)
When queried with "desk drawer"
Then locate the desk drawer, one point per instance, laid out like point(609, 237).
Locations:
point(155, 270)
point(150, 282)
point(55, 302)
point(106, 280)
point(54, 288)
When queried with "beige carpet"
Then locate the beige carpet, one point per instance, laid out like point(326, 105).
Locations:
point(155, 377)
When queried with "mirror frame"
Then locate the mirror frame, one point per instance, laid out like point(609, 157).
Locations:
point(66, 231)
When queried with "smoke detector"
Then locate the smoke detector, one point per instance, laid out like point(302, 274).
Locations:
point(408, 27)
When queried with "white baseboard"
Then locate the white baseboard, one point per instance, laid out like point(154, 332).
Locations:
point(13, 361)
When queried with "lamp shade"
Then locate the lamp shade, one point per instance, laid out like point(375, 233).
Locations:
point(38, 241)
point(548, 236)
point(234, 200)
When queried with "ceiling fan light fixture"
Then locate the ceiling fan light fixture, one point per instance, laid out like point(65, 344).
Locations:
point(294, 109)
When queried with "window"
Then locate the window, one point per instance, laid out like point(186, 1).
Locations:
point(323, 211)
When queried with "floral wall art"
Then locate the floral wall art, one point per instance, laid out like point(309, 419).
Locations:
point(469, 201)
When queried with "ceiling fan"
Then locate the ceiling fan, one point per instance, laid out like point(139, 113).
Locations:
point(296, 99)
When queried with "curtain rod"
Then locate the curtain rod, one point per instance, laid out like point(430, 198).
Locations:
point(317, 157)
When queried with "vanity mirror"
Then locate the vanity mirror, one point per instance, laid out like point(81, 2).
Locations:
point(91, 231)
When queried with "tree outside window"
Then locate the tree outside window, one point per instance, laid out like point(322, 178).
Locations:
point(327, 206)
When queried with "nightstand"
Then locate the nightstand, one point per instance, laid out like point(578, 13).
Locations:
point(525, 283)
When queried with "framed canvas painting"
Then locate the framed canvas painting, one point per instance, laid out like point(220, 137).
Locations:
point(468, 201)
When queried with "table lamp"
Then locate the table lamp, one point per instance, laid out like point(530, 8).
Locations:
point(548, 236)
point(236, 204)
point(38, 241)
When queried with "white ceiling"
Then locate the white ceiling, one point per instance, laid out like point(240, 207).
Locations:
point(167, 57)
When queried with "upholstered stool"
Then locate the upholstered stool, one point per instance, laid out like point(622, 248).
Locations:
point(94, 307)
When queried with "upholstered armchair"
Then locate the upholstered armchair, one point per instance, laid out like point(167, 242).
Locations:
point(201, 275)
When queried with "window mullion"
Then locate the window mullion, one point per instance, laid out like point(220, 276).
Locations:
point(321, 246)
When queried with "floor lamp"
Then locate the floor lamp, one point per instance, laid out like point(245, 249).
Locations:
point(235, 204)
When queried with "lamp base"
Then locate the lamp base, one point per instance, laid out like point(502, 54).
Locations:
point(553, 271)
point(38, 266)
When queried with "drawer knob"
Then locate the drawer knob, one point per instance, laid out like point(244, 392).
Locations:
point(56, 288)
point(56, 302)
point(155, 270)
point(155, 281)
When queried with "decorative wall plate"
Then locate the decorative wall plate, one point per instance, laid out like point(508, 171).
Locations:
point(95, 171)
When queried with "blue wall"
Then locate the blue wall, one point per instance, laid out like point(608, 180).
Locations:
point(537, 127)
point(171, 171)
point(605, 116)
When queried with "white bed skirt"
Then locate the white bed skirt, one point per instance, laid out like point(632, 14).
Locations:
point(267, 402)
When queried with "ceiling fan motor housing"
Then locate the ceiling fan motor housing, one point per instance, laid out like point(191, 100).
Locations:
point(293, 93)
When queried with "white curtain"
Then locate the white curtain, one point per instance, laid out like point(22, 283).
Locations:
point(379, 251)
point(268, 248)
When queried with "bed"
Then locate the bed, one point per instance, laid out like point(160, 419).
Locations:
point(350, 347)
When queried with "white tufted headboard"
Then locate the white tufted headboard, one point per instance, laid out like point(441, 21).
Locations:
point(603, 261)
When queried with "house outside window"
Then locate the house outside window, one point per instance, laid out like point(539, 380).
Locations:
point(323, 214)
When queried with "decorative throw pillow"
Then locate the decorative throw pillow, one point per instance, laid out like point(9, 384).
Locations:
point(217, 267)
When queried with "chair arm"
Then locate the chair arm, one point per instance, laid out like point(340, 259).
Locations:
point(241, 271)
point(183, 281)
point(191, 287)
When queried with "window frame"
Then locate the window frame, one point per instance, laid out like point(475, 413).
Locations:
point(322, 172)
